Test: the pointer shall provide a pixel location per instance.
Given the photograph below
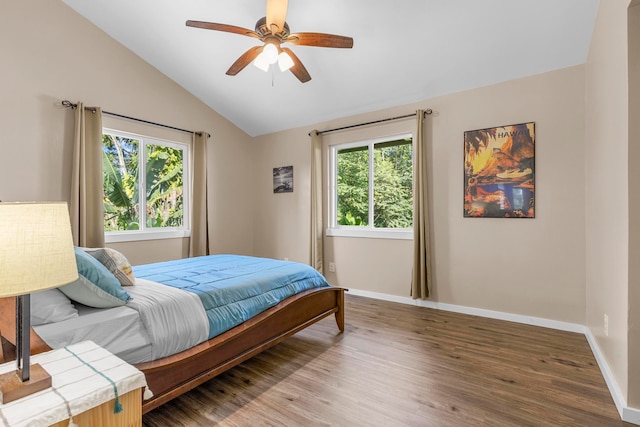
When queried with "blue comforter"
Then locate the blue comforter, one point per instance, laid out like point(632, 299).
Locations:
point(233, 288)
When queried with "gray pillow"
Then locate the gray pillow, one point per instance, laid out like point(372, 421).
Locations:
point(115, 262)
point(51, 306)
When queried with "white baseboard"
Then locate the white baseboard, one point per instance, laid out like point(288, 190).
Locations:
point(628, 414)
point(528, 320)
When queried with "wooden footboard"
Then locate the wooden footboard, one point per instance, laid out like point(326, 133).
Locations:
point(172, 376)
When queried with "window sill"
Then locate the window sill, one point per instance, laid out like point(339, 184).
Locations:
point(134, 236)
point(370, 233)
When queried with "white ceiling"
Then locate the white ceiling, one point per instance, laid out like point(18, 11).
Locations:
point(404, 50)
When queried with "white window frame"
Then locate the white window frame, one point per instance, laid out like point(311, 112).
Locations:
point(151, 233)
point(369, 231)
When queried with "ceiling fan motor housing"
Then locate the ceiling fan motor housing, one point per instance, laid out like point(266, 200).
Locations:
point(263, 29)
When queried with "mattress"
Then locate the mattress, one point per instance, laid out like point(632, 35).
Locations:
point(152, 325)
point(177, 304)
point(118, 330)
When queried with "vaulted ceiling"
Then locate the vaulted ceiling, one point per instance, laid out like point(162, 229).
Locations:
point(404, 50)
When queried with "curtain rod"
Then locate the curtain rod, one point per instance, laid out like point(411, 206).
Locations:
point(428, 112)
point(71, 105)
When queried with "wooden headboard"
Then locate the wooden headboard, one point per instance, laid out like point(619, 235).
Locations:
point(1, 348)
point(8, 332)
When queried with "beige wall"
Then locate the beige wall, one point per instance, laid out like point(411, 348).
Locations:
point(528, 267)
point(281, 221)
point(634, 202)
point(49, 53)
point(607, 232)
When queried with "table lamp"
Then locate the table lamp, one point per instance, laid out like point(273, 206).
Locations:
point(36, 253)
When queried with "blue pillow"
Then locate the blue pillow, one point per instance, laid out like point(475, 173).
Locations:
point(96, 286)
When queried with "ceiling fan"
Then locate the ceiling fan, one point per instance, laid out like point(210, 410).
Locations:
point(272, 30)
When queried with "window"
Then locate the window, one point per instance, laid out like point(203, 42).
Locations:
point(372, 188)
point(146, 187)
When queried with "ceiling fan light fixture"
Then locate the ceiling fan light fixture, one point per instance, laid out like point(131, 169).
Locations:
point(270, 53)
point(261, 63)
point(284, 61)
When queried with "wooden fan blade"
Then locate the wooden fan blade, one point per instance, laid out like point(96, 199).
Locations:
point(320, 40)
point(298, 69)
point(223, 27)
point(244, 60)
point(276, 14)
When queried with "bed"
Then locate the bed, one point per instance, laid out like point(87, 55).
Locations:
point(238, 307)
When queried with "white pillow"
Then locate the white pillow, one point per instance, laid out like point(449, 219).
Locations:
point(51, 306)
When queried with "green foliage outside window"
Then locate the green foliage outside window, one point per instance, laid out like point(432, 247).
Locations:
point(163, 175)
point(353, 186)
point(392, 185)
point(164, 186)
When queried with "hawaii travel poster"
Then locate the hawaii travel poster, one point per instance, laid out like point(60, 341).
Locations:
point(499, 172)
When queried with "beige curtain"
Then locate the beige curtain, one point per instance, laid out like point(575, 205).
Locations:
point(199, 242)
point(86, 198)
point(421, 276)
point(316, 202)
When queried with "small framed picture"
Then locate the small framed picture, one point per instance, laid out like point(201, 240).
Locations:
point(283, 179)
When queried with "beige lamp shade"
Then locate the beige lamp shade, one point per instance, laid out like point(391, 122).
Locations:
point(36, 247)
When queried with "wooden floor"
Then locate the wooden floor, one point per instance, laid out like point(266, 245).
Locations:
point(401, 365)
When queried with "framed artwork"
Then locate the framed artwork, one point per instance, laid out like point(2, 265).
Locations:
point(283, 179)
point(499, 172)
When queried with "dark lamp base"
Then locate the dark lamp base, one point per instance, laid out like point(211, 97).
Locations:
point(12, 387)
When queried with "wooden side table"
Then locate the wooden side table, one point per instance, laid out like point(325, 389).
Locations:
point(103, 415)
point(90, 387)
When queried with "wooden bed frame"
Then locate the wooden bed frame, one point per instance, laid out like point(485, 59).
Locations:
point(172, 376)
